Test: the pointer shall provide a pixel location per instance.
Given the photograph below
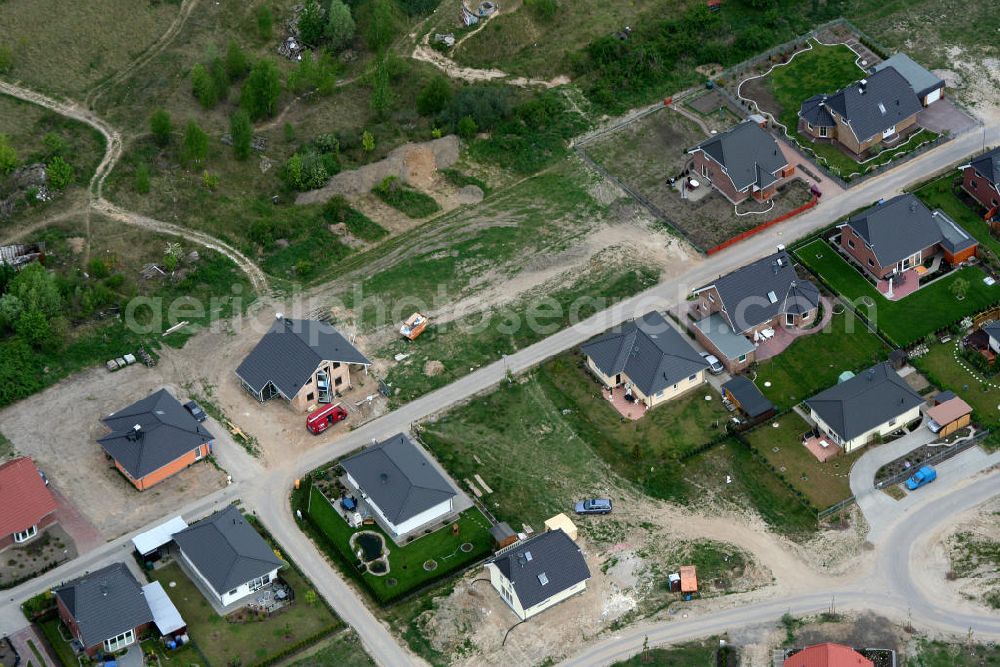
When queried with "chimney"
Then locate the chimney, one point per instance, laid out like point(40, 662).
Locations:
point(862, 85)
point(279, 316)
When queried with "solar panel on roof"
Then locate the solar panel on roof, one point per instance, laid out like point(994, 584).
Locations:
point(543, 579)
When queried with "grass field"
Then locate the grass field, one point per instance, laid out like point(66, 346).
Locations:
point(490, 336)
point(223, 642)
point(813, 363)
point(930, 309)
point(824, 69)
point(824, 484)
point(343, 650)
point(941, 654)
point(945, 194)
point(53, 633)
point(943, 370)
point(406, 563)
point(544, 443)
point(411, 202)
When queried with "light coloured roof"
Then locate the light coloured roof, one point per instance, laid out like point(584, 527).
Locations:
point(165, 614)
point(920, 79)
point(949, 411)
point(732, 345)
point(154, 538)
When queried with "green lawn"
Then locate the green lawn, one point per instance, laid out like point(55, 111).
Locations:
point(344, 650)
point(406, 563)
point(51, 630)
point(943, 194)
point(940, 654)
point(549, 439)
point(928, 310)
point(824, 69)
point(411, 202)
point(490, 336)
point(824, 484)
point(943, 370)
point(813, 363)
point(223, 642)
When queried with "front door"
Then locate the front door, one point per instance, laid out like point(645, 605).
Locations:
point(789, 319)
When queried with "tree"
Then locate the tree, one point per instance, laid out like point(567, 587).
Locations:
point(382, 25)
point(60, 173)
point(367, 141)
point(220, 79)
point(210, 180)
point(161, 127)
point(265, 22)
point(381, 97)
point(33, 288)
point(142, 178)
point(33, 327)
point(8, 156)
point(195, 148)
point(203, 87)
point(434, 97)
point(236, 62)
point(172, 255)
point(6, 59)
point(54, 144)
point(339, 25)
point(242, 133)
point(261, 91)
point(311, 23)
point(467, 127)
point(310, 597)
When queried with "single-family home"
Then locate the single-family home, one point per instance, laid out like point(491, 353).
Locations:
point(28, 505)
point(877, 110)
point(154, 438)
point(827, 655)
point(227, 557)
point(900, 234)
point(306, 362)
point(946, 417)
point(928, 87)
point(744, 161)
point(539, 572)
point(105, 610)
point(651, 358)
point(400, 485)
point(869, 405)
point(733, 311)
point(981, 179)
point(747, 398)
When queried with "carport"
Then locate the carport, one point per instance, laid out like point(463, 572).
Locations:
point(165, 615)
point(149, 543)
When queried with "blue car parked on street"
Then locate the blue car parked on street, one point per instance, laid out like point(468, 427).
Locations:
point(924, 476)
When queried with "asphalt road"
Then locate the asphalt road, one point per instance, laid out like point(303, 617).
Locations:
point(266, 492)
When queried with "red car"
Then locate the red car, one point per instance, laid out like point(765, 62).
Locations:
point(325, 417)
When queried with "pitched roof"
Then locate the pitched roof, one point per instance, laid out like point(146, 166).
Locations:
point(649, 351)
point(992, 329)
point(105, 603)
point(543, 566)
point(903, 226)
point(399, 478)
point(23, 496)
point(753, 402)
point(987, 165)
point(880, 102)
point(920, 79)
point(869, 399)
point(290, 352)
point(949, 410)
point(748, 153)
point(227, 550)
point(828, 655)
point(814, 112)
point(166, 432)
point(757, 292)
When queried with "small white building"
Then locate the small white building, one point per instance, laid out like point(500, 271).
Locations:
point(400, 484)
point(227, 556)
point(871, 404)
point(533, 575)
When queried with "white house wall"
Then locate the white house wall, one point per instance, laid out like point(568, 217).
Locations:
point(499, 582)
point(418, 521)
point(225, 599)
point(865, 438)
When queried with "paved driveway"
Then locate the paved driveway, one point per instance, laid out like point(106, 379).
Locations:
point(945, 117)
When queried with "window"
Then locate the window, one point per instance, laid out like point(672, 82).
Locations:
point(119, 642)
point(809, 126)
point(850, 243)
point(822, 132)
point(232, 592)
point(742, 358)
point(691, 379)
point(871, 262)
point(310, 396)
point(336, 364)
point(197, 453)
point(259, 583)
point(892, 422)
point(25, 535)
point(310, 380)
point(338, 381)
point(974, 184)
point(704, 170)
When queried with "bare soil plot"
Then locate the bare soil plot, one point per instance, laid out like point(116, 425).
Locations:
point(58, 429)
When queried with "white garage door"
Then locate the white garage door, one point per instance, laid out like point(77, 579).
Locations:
point(932, 97)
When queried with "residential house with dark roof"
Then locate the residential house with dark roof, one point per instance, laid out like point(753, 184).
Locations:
point(306, 362)
point(28, 505)
point(879, 109)
point(227, 557)
point(869, 405)
point(105, 610)
point(900, 234)
point(538, 573)
point(733, 310)
point(400, 484)
point(928, 87)
point(744, 161)
point(154, 438)
point(827, 655)
point(648, 356)
point(981, 179)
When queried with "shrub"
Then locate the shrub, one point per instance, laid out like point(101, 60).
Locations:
point(265, 22)
point(434, 97)
point(260, 93)
point(241, 132)
point(60, 173)
point(381, 25)
point(339, 25)
point(237, 64)
point(311, 23)
point(467, 127)
point(8, 156)
point(141, 184)
point(195, 148)
point(203, 87)
point(487, 104)
point(161, 127)
point(544, 10)
point(307, 171)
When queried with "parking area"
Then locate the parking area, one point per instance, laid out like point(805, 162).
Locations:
point(59, 428)
point(946, 117)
